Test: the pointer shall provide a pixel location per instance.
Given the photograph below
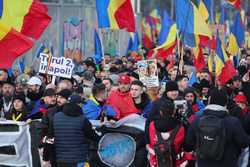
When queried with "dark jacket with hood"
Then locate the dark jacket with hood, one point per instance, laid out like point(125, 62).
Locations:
point(71, 130)
point(155, 112)
point(236, 138)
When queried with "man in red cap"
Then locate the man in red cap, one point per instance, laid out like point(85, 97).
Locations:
point(121, 99)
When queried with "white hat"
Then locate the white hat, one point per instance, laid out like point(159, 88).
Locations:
point(34, 81)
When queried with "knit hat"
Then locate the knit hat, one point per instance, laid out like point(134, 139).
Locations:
point(204, 84)
point(240, 99)
point(19, 97)
point(171, 86)
point(189, 90)
point(75, 99)
point(218, 97)
point(49, 92)
point(236, 78)
point(65, 93)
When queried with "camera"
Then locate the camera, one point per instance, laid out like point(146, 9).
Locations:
point(180, 105)
point(181, 113)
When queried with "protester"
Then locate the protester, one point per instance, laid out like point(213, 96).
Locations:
point(140, 98)
point(47, 120)
point(34, 92)
point(71, 130)
point(18, 111)
point(96, 107)
point(217, 137)
point(7, 96)
point(121, 99)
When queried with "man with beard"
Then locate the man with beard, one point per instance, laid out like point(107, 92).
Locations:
point(171, 93)
point(140, 98)
point(47, 119)
point(121, 99)
point(34, 92)
point(7, 96)
point(41, 106)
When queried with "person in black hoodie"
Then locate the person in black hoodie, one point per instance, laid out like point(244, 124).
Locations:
point(140, 98)
point(71, 130)
point(235, 136)
point(171, 93)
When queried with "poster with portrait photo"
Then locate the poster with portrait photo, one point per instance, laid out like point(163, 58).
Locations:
point(148, 73)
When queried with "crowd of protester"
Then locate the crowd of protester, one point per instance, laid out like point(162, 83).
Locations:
point(112, 90)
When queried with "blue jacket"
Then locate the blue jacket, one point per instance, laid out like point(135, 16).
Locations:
point(92, 109)
point(147, 109)
point(201, 107)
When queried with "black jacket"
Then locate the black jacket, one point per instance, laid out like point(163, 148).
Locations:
point(71, 130)
point(155, 113)
point(236, 138)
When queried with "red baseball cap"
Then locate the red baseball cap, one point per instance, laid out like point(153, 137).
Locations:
point(124, 79)
point(240, 99)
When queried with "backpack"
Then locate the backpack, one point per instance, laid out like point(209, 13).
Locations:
point(211, 137)
point(164, 149)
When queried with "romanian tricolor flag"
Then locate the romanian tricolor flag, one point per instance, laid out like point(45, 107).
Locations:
point(115, 14)
point(30, 17)
point(235, 3)
point(12, 45)
point(191, 24)
point(147, 40)
point(167, 37)
point(224, 68)
point(237, 35)
point(199, 61)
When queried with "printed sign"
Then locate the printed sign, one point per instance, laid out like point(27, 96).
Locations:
point(148, 72)
point(117, 150)
point(57, 66)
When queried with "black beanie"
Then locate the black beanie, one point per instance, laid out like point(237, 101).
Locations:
point(20, 97)
point(218, 97)
point(204, 84)
point(171, 86)
point(66, 93)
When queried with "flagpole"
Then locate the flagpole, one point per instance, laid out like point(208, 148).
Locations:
point(101, 39)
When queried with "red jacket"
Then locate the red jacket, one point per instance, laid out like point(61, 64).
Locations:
point(122, 103)
point(178, 141)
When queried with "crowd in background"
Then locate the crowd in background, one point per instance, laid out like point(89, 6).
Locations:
point(112, 90)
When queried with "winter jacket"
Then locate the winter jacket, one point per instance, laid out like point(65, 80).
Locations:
point(246, 90)
point(155, 113)
point(145, 106)
point(71, 129)
point(92, 109)
point(236, 138)
point(122, 103)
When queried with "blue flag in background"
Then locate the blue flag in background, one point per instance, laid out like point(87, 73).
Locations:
point(98, 48)
point(193, 79)
point(133, 43)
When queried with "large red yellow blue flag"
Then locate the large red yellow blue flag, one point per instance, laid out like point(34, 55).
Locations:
point(20, 20)
point(30, 17)
point(191, 24)
point(115, 14)
point(224, 68)
point(12, 45)
point(167, 36)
